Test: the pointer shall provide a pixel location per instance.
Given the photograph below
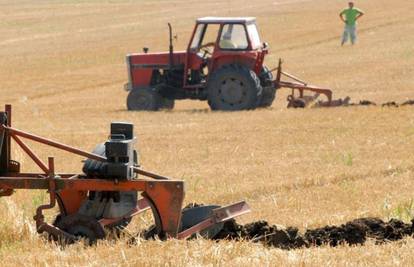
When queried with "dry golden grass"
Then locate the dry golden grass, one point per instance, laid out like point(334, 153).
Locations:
point(62, 68)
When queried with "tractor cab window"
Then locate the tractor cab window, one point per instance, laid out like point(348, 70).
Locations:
point(233, 37)
point(205, 39)
point(210, 36)
point(197, 37)
point(254, 36)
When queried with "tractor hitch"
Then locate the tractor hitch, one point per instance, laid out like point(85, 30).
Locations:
point(297, 98)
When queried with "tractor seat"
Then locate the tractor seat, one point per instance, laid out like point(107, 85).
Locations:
point(227, 44)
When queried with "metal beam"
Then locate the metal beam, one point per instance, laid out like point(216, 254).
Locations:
point(54, 144)
point(31, 154)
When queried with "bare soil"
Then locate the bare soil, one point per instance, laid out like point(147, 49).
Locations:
point(345, 102)
point(355, 232)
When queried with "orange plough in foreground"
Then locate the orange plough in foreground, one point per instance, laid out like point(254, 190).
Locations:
point(105, 195)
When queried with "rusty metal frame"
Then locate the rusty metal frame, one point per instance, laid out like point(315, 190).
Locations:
point(15, 132)
point(298, 84)
point(162, 194)
point(166, 196)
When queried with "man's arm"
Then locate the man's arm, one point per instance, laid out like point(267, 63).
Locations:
point(341, 15)
point(360, 14)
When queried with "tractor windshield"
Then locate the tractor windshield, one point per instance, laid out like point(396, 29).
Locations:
point(254, 36)
point(205, 38)
point(197, 37)
point(233, 37)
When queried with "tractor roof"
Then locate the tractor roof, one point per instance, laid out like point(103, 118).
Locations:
point(219, 20)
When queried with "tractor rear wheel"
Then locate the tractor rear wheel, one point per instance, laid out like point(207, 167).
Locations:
point(269, 91)
point(234, 87)
point(147, 99)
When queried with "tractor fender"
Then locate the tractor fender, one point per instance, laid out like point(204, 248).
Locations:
point(246, 59)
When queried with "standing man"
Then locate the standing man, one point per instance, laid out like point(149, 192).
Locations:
point(350, 16)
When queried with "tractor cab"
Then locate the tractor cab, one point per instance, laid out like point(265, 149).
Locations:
point(217, 35)
point(216, 41)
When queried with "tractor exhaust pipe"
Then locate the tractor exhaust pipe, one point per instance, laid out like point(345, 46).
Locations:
point(171, 48)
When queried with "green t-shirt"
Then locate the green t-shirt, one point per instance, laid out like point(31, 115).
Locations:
point(350, 15)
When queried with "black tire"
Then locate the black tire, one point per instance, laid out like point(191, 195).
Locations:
point(234, 87)
point(146, 99)
point(167, 103)
point(296, 103)
point(269, 91)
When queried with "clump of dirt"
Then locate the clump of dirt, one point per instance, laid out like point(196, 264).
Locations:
point(367, 103)
point(303, 102)
point(261, 231)
point(390, 104)
point(355, 232)
point(309, 101)
point(408, 102)
point(334, 103)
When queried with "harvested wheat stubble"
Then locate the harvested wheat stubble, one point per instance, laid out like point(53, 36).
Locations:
point(352, 233)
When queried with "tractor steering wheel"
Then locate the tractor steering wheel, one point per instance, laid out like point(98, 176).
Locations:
point(206, 52)
point(205, 49)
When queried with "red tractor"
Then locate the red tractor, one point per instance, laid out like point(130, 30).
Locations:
point(223, 64)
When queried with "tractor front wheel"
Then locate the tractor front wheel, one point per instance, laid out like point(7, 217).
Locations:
point(167, 103)
point(146, 99)
point(234, 87)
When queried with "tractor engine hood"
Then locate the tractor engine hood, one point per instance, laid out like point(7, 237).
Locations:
point(155, 60)
point(142, 65)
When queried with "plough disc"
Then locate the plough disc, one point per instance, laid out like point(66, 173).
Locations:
point(81, 226)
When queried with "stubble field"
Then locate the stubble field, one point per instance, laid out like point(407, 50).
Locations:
point(62, 68)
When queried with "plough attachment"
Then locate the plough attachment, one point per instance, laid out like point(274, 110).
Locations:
point(297, 98)
point(105, 195)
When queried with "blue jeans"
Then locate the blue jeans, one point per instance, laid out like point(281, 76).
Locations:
point(350, 30)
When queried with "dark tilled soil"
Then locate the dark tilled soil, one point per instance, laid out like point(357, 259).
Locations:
point(355, 232)
point(387, 104)
point(391, 104)
point(408, 102)
point(346, 102)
